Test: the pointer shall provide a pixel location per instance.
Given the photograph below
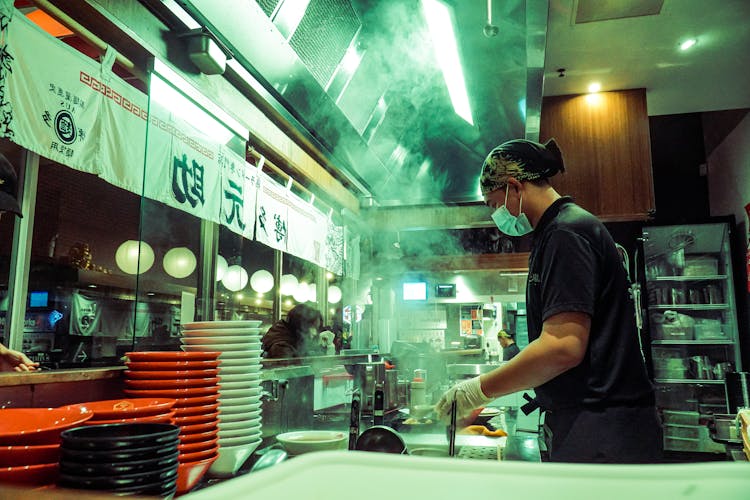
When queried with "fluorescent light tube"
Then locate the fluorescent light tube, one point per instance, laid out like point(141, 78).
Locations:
point(438, 19)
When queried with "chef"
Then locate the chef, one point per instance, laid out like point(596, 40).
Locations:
point(583, 358)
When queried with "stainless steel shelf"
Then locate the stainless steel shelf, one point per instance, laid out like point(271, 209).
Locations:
point(690, 307)
point(693, 381)
point(715, 277)
point(692, 342)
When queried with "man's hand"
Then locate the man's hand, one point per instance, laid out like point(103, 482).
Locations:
point(468, 396)
point(14, 361)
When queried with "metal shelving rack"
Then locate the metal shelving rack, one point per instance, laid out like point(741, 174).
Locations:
point(690, 300)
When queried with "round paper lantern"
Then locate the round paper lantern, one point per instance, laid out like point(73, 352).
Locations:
point(312, 292)
point(134, 257)
point(221, 267)
point(288, 284)
point(261, 281)
point(334, 294)
point(301, 292)
point(235, 279)
point(179, 262)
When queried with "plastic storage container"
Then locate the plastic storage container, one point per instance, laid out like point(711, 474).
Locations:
point(672, 325)
point(701, 265)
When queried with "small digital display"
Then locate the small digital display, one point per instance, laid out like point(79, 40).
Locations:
point(415, 291)
point(444, 291)
point(38, 299)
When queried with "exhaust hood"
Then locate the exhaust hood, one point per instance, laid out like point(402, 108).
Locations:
point(362, 79)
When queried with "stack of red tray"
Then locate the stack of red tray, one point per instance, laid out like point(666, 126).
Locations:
point(189, 378)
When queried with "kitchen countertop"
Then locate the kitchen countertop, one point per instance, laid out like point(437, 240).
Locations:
point(56, 376)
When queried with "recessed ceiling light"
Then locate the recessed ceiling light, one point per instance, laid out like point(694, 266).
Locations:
point(688, 43)
point(595, 87)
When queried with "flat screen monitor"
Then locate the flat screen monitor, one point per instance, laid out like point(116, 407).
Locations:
point(415, 291)
point(38, 299)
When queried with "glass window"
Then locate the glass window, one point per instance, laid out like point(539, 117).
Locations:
point(7, 222)
point(81, 292)
point(245, 283)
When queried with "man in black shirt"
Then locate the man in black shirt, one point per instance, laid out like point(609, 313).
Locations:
point(583, 357)
point(510, 349)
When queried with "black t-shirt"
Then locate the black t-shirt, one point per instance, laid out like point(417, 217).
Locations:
point(574, 266)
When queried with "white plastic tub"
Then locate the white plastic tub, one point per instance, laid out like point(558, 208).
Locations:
point(342, 475)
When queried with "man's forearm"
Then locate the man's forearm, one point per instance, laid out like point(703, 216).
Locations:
point(537, 363)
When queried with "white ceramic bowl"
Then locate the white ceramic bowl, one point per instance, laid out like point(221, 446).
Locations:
point(250, 356)
point(221, 325)
point(239, 377)
point(239, 440)
point(249, 424)
point(229, 403)
point(299, 442)
point(233, 417)
point(225, 394)
point(231, 458)
point(246, 384)
point(232, 339)
point(249, 349)
point(239, 367)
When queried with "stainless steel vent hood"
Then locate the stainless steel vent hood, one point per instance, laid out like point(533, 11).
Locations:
point(362, 78)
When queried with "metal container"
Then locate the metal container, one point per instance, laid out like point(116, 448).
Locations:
point(366, 377)
point(736, 390)
point(391, 389)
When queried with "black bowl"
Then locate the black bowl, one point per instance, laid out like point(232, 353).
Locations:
point(118, 483)
point(117, 468)
point(121, 455)
point(118, 436)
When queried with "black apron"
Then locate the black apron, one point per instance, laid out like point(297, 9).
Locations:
point(606, 434)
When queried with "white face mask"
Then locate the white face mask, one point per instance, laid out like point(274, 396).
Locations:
point(510, 224)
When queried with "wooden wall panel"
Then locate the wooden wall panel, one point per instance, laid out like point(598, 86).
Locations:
point(604, 138)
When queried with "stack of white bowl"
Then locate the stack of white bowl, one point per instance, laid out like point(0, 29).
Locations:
point(239, 386)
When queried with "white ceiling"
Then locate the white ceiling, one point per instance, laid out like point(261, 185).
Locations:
point(642, 52)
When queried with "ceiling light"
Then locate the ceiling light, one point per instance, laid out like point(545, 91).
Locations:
point(288, 284)
point(438, 19)
point(174, 102)
point(179, 262)
point(261, 281)
point(595, 87)
point(235, 279)
point(688, 43)
point(134, 257)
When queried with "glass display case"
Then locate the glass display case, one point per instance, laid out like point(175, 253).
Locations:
point(692, 322)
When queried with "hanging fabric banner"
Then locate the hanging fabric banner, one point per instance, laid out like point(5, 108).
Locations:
point(123, 131)
point(52, 95)
point(272, 215)
point(334, 245)
point(239, 187)
point(307, 231)
point(181, 165)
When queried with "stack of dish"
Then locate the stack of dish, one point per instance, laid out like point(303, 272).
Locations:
point(128, 459)
point(30, 442)
point(238, 343)
point(191, 379)
point(130, 411)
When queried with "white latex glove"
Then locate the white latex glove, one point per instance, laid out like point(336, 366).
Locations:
point(468, 395)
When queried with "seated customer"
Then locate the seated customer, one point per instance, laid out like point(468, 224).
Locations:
point(295, 336)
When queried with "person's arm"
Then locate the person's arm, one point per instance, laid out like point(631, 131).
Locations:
point(11, 361)
point(560, 347)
